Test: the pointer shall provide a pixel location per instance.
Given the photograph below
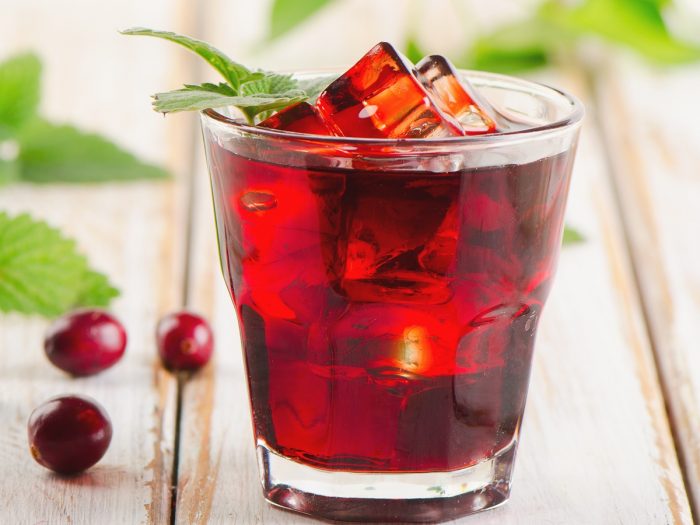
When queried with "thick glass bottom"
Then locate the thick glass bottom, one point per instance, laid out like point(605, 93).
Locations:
point(388, 497)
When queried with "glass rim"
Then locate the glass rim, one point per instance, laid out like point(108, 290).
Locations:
point(570, 121)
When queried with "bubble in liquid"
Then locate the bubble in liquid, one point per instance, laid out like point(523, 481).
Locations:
point(258, 201)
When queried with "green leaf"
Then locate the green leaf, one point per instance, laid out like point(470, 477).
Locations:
point(233, 72)
point(96, 290)
point(314, 86)
point(531, 43)
point(221, 88)
point(192, 99)
point(269, 84)
point(413, 51)
point(255, 93)
point(637, 24)
point(9, 171)
point(41, 271)
point(56, 153)
point(572, 236)
point(288, 14)
point(515, 47)
point(19, 92)
point(282, 87)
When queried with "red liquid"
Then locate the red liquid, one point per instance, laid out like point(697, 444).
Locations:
point(388, 319)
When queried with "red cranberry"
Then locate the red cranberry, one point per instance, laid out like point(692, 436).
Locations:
point(85, 342)
point(185, 341)
point(69, 434)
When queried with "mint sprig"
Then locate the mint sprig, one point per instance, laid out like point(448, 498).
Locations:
point(255, 92)
point(41, 270)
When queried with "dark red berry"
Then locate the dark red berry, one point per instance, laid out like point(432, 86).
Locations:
point(69, 434)
point(85, 342)
point(185, 341)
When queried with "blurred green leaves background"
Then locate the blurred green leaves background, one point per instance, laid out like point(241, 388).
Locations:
point(41, 270)
point(554, 29)
point(35, 150)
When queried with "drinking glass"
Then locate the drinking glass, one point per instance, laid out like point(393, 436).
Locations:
point(388, 293)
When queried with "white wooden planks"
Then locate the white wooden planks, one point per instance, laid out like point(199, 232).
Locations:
point(652, 123)
point(134, 232)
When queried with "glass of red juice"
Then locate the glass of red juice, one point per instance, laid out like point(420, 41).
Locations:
point(388, 294)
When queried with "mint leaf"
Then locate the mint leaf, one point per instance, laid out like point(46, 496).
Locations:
point(190, 98)
point(282, 87)
point(19, 92)
point(60, 153)
point(257, 98)
point(637, 24)
point(413, 51)
point(96, 290)
point(314, 86)
point(221, 88)
point(269, 84)
point(193, 99)
point(9, 171)
point(572, 236)
point(255, 93)
point(41, 271)
point(288, 14)
point(531, 43)
point(520, 46)
point(233, 72)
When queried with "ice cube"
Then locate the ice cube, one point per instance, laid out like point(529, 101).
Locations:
point(456, 97)
point(301, 118)
point(361, 257)
point(380, 97)
point(383, 238)
point(439, 253)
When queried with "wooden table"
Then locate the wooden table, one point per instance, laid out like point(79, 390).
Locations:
point(612, 429)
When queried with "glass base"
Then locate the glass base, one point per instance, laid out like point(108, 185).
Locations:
point(386, 496)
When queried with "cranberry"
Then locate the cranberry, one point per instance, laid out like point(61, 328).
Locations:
point(85, 342)
point(69, 434)
point(185, 341)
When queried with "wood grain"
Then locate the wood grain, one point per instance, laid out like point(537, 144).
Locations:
point(651, 124)
point(596, 446)
point(101, 81)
